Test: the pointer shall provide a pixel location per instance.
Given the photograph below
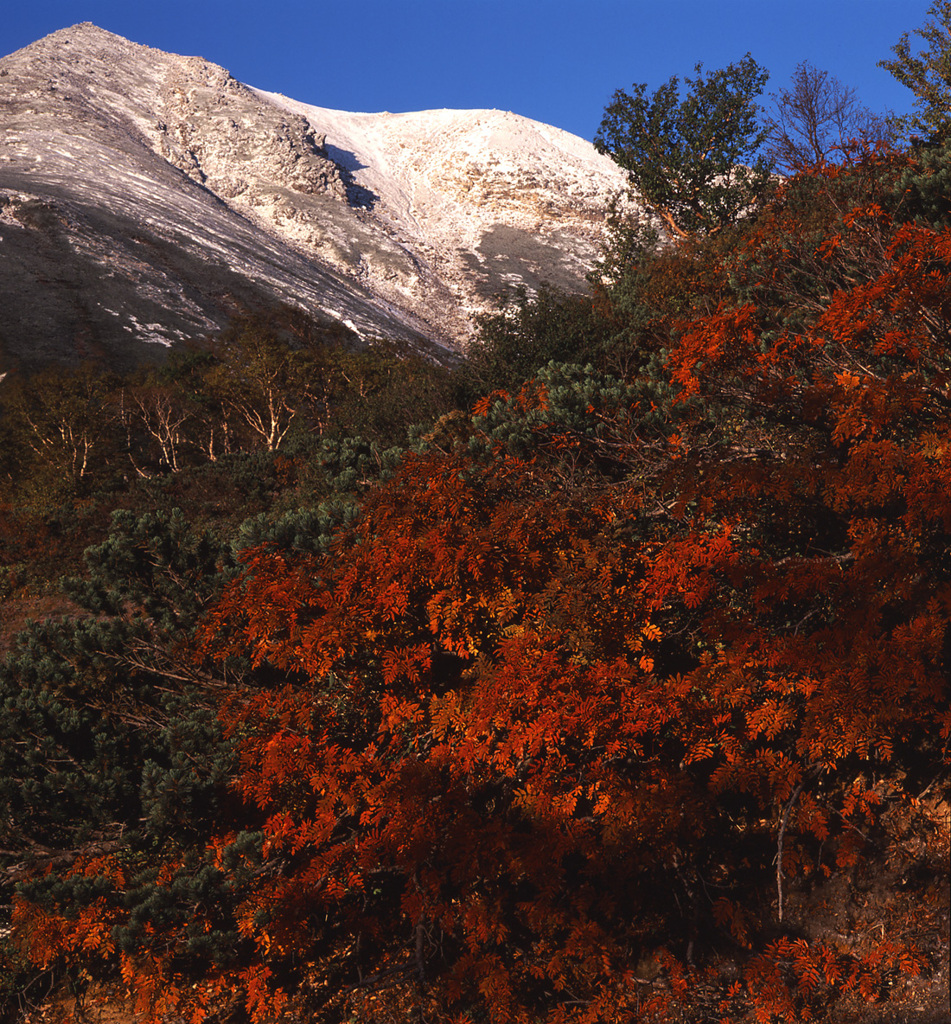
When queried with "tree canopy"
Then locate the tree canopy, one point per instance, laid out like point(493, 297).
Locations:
point(692, 159)
point(927, 74)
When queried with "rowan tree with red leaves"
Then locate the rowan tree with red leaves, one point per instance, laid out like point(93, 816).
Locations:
point(564, 719)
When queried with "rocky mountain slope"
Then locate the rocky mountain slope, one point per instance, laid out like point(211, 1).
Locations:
point(145, 197)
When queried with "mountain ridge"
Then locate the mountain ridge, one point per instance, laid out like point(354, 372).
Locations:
point(145, 197)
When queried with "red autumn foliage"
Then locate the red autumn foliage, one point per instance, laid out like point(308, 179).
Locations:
point(525, 743)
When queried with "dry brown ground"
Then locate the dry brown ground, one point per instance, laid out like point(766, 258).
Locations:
point(15, 612)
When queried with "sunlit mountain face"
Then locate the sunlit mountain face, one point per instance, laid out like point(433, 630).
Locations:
point(146, 198)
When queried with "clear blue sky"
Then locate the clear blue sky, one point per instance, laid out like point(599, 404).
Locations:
point(557, 61)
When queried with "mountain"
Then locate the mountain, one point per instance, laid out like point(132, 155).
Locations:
point(146, 197)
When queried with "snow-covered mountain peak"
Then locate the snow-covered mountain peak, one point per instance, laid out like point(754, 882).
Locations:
point(192, 192)
point(490, 197)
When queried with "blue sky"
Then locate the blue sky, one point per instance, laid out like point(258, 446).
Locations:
point(557, 61)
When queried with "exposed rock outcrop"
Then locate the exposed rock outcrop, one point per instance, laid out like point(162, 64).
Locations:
point(226, 137)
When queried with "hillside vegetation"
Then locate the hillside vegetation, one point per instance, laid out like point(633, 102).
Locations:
point(601, 678)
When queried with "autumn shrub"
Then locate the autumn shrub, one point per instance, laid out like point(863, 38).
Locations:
point(563, 711)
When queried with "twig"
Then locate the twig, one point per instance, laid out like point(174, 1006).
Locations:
point(779, 845)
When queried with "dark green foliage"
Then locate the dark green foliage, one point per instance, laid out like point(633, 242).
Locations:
point(154, 564)
point(927, 74)
point(101, 720)
point(566, 399)
point(111, 746)
point(97, 748)
point(924, 186)
point(693, 159)
point(109, 740)
point(305, 529)
point(527, 334)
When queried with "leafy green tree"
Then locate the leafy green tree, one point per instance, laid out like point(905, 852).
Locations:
point(692, 159)
point(927, 74)
point(525, 334)
point(925, 185)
